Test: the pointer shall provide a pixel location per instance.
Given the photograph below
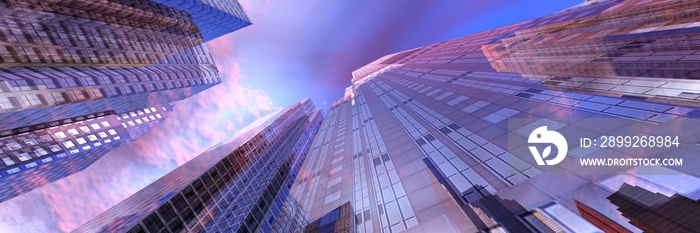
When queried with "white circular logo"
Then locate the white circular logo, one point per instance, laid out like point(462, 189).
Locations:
point(542, 135)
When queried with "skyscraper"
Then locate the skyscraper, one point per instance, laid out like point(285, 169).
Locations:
point(422, 133)
point(632, 49)
point(655, 212)
point(78, 78)
point(80, 58)
point(341, 219)
point(214, 18)
point(40, 154)
point(599, 220)
point(240, 185)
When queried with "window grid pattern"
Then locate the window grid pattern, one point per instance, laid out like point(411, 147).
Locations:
point(363, 213)
point(31, 155)
point(395, 211)
point(240, 186)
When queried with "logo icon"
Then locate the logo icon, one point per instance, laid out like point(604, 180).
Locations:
point(542, 135)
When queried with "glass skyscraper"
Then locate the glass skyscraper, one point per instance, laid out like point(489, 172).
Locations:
point(240, 185)
point(78, 78)
point(79, 58)
point(214, 18)
point(43, 154)
point(420, 141)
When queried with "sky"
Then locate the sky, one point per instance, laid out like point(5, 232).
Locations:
point(293, 50)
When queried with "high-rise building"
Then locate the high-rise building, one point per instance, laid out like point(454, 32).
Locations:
point(37, 155)
point(78, 78)
point(291, 218)
point(240, 185)
point(633, 49)
point(341, 219)
point(599, 220)
point(655, 212)
point(213, 17)
point(82, 57)
point(490, 213)
point(423, 133)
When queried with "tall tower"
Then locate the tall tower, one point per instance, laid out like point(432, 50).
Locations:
point(214, 18)
point(423, 133)
point(68, 58)
point(37, 155)
point(240, 185)
point(647, 210)
point(78, 78)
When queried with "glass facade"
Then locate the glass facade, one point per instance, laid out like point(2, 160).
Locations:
point(339, 220)
point(241, 185)
point(421, 137)
point(213, 17)
point(646, 50)
point(37, 155)
point(655, 212)
point(79, 58)
point(78, 78)
point(291, 218)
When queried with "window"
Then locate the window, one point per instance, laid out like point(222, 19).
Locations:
point(73, 132)
point(138, 121)
point(84, 129)
point(58, 97)
point(24, 157)
point(131, 123)
point(92, 137)
point(112, 132)
point(152, 117)
point(105, 124)
point(54, 148)
point(153, 109)
point(158, 116)
point(30, 142)
point(40, 152)
point(336, 169)
point(13, 145)
point(8, 161)
point(46, 138)
point(95, 126)
point(332, 197)
point(32, 100)
point(80, 140)
point(5, 103)
point(147, 110)
point(102, 134)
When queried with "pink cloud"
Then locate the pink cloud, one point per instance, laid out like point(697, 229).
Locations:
point(195, 125)
point(12, 221)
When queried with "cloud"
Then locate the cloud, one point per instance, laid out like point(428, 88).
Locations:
point(312, 45)
point(195, 125)
point(203, 120)
point(12, 219)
